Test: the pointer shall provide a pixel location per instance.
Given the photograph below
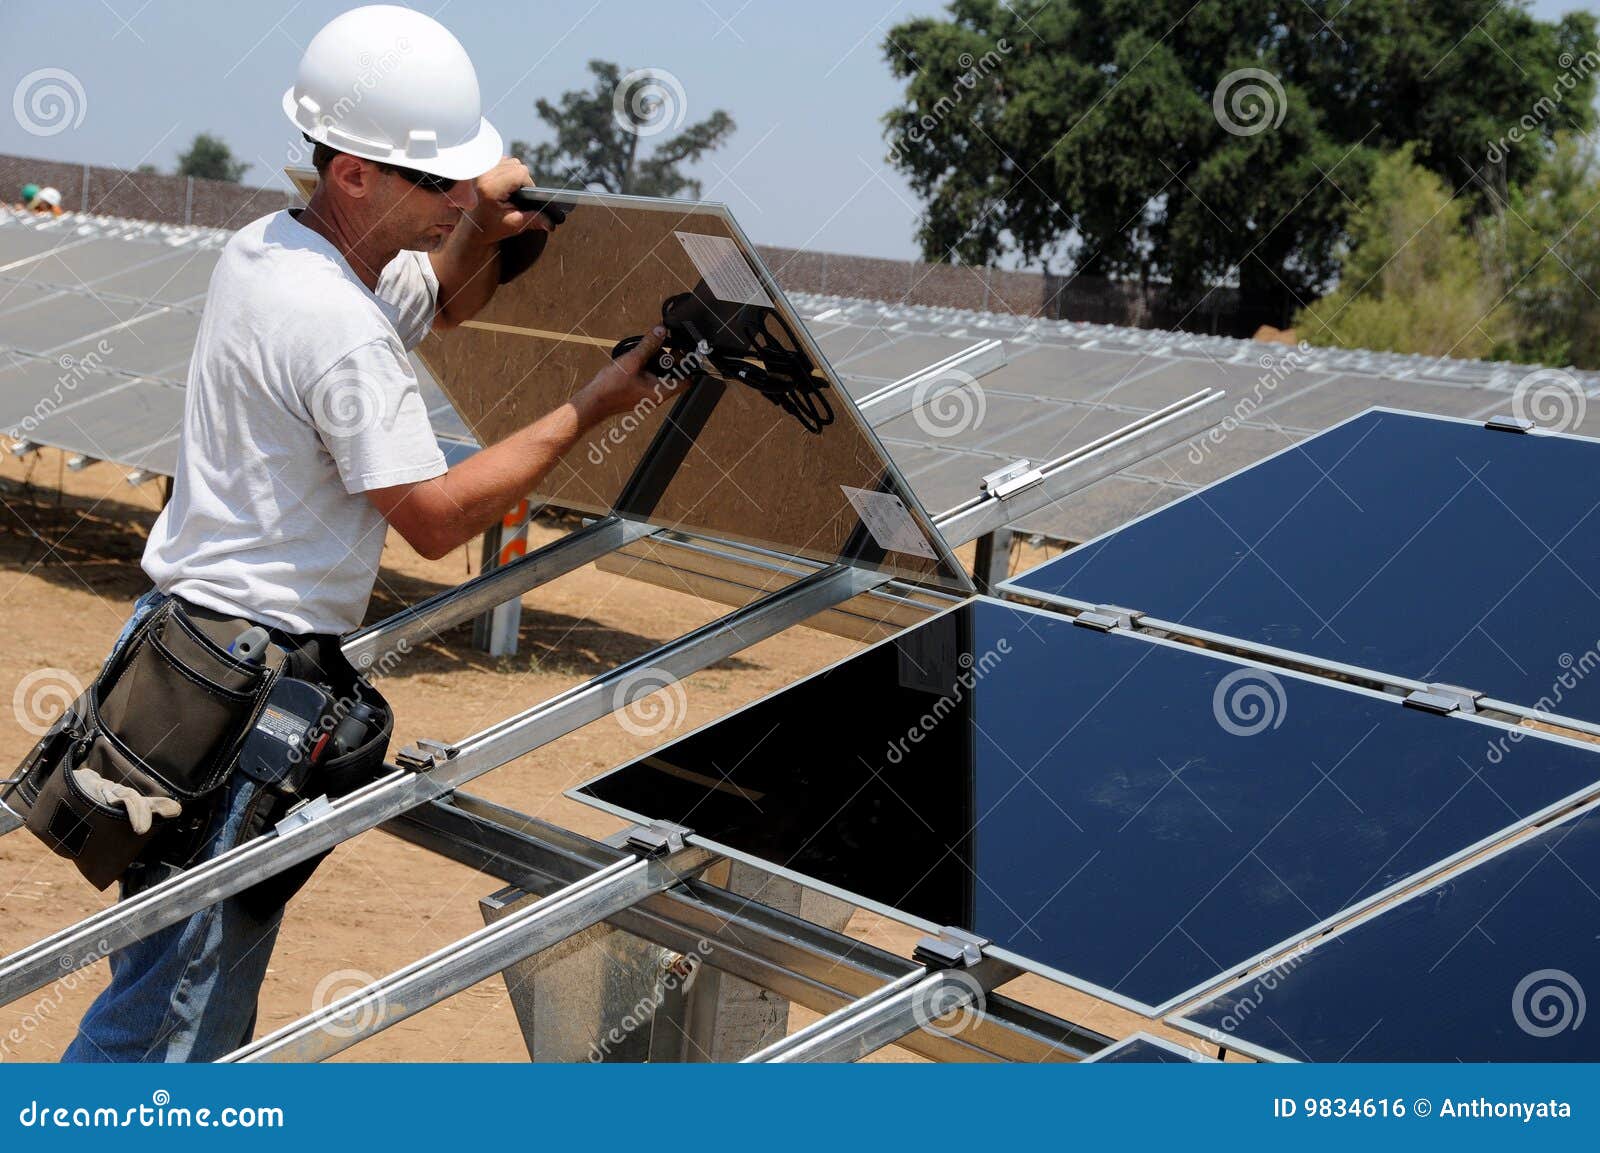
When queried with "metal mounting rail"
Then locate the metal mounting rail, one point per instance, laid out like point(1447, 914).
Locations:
point(474, 958)
point(881, 1018)
point(796, 959)
point(174, 899)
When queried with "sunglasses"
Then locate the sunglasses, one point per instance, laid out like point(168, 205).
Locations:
point(426, 181)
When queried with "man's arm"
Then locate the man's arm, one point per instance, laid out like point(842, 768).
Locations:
point(468, 262)
point(439, 515)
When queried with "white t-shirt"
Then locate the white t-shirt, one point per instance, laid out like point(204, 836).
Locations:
point(300, 400)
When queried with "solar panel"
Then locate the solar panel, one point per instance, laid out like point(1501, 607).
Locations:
point(63, 318)
point(155, 342)
point(1144, 1049)
point(33, 391)
point(765, 447)
point(118, 424)
point(905, 356)
point(73, 263)
point(1105, 808)
point(1490, 965)
point(182, 276)
point(1420, 547)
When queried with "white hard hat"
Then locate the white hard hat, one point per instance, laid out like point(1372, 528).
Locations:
point(51, 196)
point(389, 84)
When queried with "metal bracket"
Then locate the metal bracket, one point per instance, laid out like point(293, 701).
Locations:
point(1012, 479)
point(79, 462)
point(140, 475)
point(1444, 699)
point(1508, 424)
point(425, 754)
point(303, 813)
point(656, 839)
point(952, 948)
point(1104, 618)
point(22, 447)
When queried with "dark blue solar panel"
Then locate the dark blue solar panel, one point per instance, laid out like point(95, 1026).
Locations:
point(1496, 964)
point(1424, 548)
point(1107, 807)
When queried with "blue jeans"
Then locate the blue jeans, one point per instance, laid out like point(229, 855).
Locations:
point(189, 991)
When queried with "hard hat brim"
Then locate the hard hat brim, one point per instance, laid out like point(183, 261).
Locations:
point(465, 161)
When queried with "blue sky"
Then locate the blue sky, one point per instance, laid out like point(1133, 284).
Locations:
point(806, 83)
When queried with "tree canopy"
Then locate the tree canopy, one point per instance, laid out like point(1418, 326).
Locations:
point(1194, 144)
point(209, 158)
point(598, 132)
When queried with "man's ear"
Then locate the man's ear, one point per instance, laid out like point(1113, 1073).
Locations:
point(351, 175)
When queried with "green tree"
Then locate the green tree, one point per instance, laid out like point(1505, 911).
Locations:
point(1546, 246)
point(1414, 277)
point(1196, 143)
point(598, 135)
point(209, 158)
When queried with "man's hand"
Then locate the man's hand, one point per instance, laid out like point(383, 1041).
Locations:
point(493, 219)
point(624, 385)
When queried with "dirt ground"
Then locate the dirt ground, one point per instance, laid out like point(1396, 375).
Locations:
point(69, 550)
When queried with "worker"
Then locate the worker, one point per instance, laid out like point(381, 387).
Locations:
point(29, 191)
point(46, 202)
point(305, 437)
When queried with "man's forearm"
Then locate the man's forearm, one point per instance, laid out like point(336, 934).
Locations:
point(475, 494)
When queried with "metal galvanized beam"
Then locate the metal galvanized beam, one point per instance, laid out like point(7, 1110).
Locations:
point(794, 958)
point(474, 958)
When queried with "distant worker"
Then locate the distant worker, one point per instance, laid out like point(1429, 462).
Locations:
point(46, 202)
point(29, 191)
point(305, 436)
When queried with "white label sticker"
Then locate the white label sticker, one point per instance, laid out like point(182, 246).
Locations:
point(724, 269)
point(889, 521)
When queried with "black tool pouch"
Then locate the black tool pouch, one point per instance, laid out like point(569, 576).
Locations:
point(336, 777)
point(167, 716)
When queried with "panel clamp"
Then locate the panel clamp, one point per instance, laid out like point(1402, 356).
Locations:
point(1444, 699)
point(950, 948)
point(1104, 618)
point(1006, 482)
point(424, 755)
point(656, 839)
point(1508, 424)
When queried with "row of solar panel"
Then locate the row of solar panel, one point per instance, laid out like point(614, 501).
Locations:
point(98, 331)
point(1143, 819)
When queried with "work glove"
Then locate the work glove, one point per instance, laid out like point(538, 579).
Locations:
point(142, 810)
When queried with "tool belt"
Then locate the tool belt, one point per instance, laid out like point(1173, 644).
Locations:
point(171, 714)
